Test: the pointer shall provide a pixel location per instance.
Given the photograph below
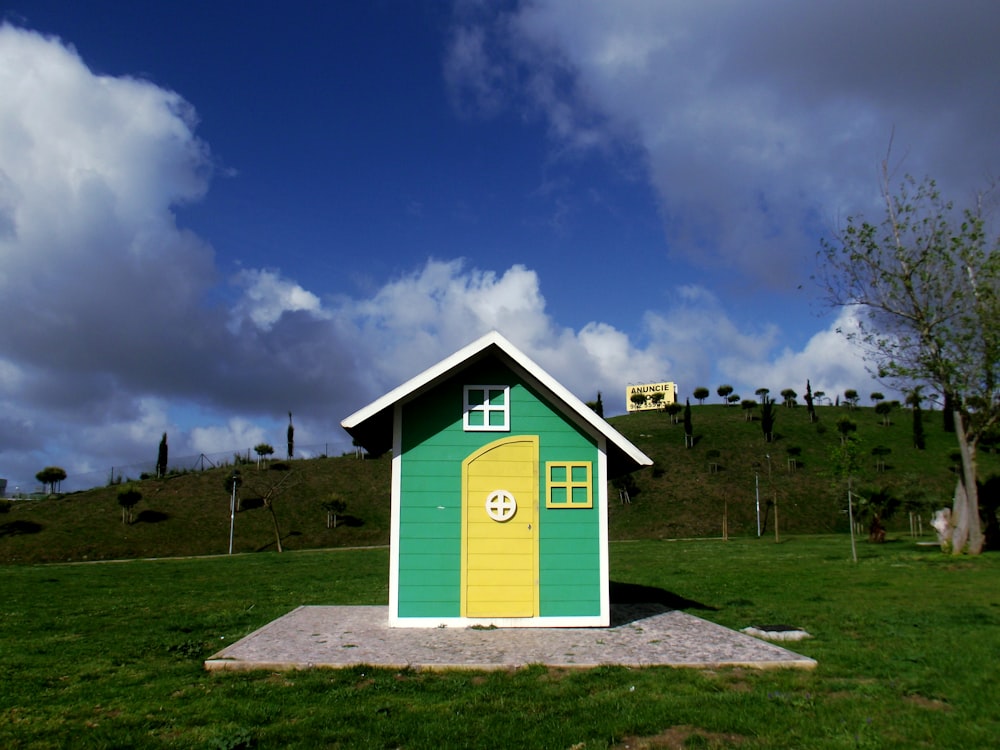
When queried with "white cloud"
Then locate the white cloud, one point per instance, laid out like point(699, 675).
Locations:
point(828, 360)
point(762, 125)
point(267, 296)
point(237, 433)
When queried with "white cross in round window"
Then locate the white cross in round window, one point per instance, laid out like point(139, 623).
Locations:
point(501, 505)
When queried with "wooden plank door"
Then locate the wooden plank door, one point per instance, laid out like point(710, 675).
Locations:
point(500, 529)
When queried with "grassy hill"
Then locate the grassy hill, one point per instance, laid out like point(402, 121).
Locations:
point(685, 494)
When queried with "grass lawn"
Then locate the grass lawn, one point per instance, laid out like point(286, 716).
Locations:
point(110, 655)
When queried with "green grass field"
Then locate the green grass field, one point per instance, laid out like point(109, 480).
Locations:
point(110, 655)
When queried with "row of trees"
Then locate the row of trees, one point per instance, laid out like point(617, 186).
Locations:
point(263, 450)
point(789, 397)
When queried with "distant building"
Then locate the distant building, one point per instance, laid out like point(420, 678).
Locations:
point(646, 396)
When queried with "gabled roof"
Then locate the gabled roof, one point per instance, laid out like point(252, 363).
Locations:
point(371, 427)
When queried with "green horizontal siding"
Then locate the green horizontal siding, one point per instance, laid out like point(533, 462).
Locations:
point(571, 563)
point(430, 523)
point(574, 608)
point(423, 562)
point(568, 592)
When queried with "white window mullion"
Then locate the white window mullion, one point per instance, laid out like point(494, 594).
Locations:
point(481, 413)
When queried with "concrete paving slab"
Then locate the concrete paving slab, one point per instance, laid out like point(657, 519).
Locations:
point(641, 635)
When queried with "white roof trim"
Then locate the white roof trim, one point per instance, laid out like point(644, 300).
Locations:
point(431, 374)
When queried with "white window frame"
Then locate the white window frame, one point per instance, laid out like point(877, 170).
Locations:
point(486, 408)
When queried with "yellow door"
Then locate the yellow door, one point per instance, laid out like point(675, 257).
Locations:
point(500, 529)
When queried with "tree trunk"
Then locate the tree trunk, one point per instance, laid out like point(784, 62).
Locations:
point(274, 522)
point(968, 534)
point(959, 519)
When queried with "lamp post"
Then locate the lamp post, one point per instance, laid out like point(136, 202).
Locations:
point(235, 482)
point(756, 491)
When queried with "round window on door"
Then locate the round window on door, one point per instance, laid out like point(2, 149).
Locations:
point(501, 505)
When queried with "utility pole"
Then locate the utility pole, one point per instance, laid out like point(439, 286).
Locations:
point(756, 489)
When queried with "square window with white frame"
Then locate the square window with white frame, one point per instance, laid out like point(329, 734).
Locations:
point(486, 408)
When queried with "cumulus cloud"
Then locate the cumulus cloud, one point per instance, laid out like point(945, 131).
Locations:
point(267, 296)
point(828, 361)
point(237, 432)
point(761, 126)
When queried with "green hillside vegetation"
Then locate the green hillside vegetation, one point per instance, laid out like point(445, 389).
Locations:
point(685, 494)
point(188, 514)
point(688, 490)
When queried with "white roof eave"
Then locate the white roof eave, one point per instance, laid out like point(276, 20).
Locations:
point(431, 375)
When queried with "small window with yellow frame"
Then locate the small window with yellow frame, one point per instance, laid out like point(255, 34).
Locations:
point(568, 485)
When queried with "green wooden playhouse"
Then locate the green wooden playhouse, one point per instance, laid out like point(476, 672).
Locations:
point(499, 493)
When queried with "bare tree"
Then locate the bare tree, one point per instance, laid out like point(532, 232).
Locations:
point(268, 490)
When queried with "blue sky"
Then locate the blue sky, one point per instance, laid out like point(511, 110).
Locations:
point(215, 213)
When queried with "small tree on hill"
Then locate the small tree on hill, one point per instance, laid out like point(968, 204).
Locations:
point(639, 399)
point(673, 409)
point(846, 461)
point(161, 457)
point(852, 397)
point(748, 405)
point(51, 476)
point(700, 393)
point(914, 399)
point(810, 406)
point(884, 410)
point(128, 497)
point(291, 437)
point(845, 427)
point(734, 398)
point(688, 428)
point(334, 506)
point(788, 397)
point(880, 452)
point(263, 450)
point(724, 391)
point(762, 394)
point(767, 418)
point(876, 397)
point(597, 406)
point(793, 452)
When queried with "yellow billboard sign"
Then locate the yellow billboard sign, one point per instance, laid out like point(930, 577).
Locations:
point(645, 396)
